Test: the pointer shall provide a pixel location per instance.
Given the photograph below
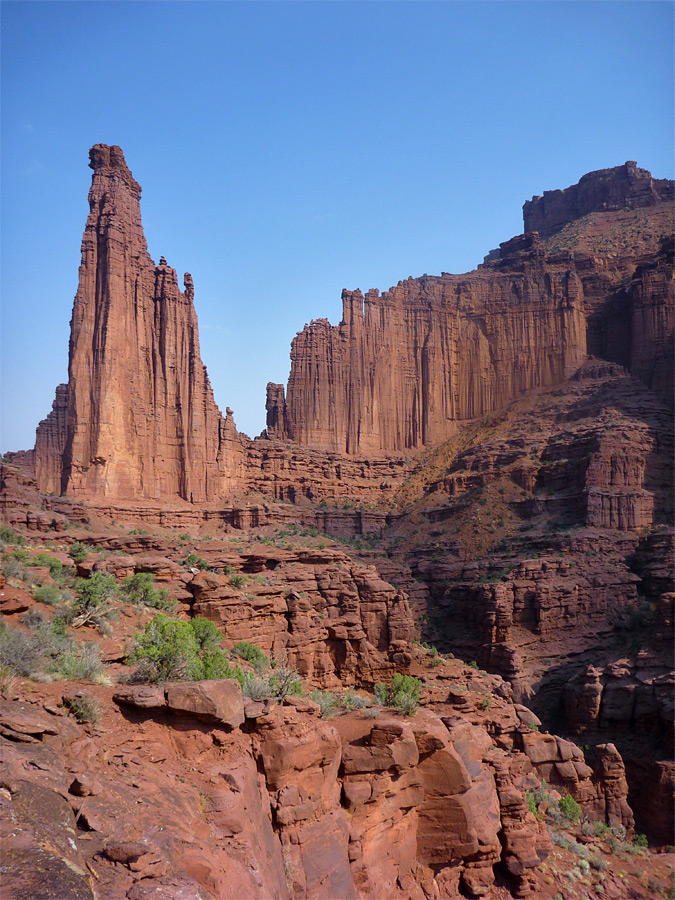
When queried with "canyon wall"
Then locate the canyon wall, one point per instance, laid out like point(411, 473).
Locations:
point(623, 187)
point(137, 418)
point(402, 369)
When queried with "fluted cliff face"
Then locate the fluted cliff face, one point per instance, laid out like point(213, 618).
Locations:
point(137, 418)
point(402, 369)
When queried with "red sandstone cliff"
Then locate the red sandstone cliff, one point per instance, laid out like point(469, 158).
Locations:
point(402, 370)
point(137, 418)
point(623, 187)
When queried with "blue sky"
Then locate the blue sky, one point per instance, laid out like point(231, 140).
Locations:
point(289, 150)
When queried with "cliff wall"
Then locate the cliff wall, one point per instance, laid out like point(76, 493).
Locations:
point(622, 187)
point(402, 369)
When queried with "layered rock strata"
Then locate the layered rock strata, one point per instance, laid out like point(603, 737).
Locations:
point(623, 187)
point(137, 417)
point(402, 369)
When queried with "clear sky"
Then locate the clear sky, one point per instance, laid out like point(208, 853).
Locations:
point(289, 150)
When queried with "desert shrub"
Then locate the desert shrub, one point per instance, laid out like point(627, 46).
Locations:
point(406, 703)
point(569, 808)
point(85, 708)
point(251, 653)
point(237, 581)
point(327, 700)
point(78, 552)
point(641, 841)
point(192, 561)
point(380, 694)
point(561, 841)
point(486, 702)
point(29, 653)
point(619, 831)
point(9, 536)
point(80, 662)
point(49, 562)
point(256, 686)
point(140, 589)
point(7, 681)
point(48, 594)
point(96, 592)
point(34, 618)
point(352, 700)
point(598, 863)
point(171, 650)
point(18, 652)
point(12, 567)
point(284, 679)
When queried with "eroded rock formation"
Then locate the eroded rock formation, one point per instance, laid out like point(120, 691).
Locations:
point(402, 369)
point(623, 187)
point(137, 417)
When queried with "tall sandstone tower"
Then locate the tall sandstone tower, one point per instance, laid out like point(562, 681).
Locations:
point(137, 418)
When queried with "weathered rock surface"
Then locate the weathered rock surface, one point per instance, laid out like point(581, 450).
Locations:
point(623, 187)
point(403, 368)
point(137, 417)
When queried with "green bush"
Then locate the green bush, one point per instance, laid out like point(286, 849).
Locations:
point(640, 840)
point(78, 552)
point(80, 662)
point(172, 650)
point(140, 589)
point(192, 561)
point(532, 804)
point(9, 536)
point(237, 581)
point(569, 808)
point(403, 693)
point(251, 653)
point(50, 562)
point(328, 702)
point(380, 694)
point(48, 594)
point(96, 592)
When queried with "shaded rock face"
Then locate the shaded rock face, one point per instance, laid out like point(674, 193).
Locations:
point(137, 418)
point(402, 369)
point(623, 187)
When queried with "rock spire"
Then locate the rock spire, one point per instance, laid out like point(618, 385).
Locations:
point(137, 417)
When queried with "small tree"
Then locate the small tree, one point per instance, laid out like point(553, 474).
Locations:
point(140, 589)
point(172, 650)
